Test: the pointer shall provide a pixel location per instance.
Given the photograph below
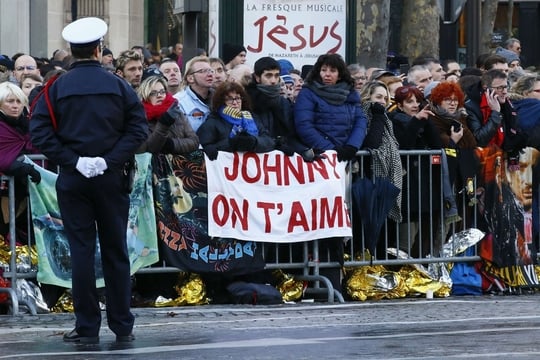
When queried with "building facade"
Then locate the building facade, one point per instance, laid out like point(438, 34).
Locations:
point(34, 26)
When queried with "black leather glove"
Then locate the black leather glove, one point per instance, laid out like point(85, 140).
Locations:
point(285, 148)
point(166, 119)
point(346, 152)
point(168, 146)
point(377, 108)
point(35, 175)
point(243, 142)
point(211, 151)
point(20, 169)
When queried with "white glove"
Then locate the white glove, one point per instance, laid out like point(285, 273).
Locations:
point(100, 164)
point(86, 167)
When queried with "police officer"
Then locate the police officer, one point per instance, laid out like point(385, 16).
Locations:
point(100, 123)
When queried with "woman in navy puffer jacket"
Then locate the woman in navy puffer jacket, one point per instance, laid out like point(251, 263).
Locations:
point(328, 116)
point(327, 113)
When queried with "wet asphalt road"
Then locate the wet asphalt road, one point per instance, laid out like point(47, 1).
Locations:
point(485, 327)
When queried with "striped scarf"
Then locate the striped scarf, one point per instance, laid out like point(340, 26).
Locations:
point(241, 121)
point(386, 162)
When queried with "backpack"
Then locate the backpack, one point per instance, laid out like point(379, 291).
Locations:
point(251, 293)
point(466, 280)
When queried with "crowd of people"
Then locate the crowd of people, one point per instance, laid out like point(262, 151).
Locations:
point(173, 106)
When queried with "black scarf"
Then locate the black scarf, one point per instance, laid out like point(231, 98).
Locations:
point(446, 116)
point(20, 123)
point(332, 94)
point(272, 92)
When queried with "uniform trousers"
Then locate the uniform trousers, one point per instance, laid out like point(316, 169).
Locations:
point(97, 205)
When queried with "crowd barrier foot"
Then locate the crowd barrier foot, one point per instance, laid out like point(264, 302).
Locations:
point(329, 290)
point(30, 305)
point(14, 300)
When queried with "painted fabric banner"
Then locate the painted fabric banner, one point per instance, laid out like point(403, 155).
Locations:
point(181, 203)
point(276, 198)
point(54, 263)
point(505, 207)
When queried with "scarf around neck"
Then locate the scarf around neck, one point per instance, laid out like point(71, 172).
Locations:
point(498, 138)
point(445, 115)
point(271, 91)
point(153, 112)
point(241, 121)
point(14, 140)
point(332, 94)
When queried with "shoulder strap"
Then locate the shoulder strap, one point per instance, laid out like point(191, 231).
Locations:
point(45, 91)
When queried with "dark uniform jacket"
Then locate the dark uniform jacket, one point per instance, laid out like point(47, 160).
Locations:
point(97, 114)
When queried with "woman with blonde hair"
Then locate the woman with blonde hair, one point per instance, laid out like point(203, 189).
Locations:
point(14, 142)
point(380, 139)
point(525, 96)
point(170, 133)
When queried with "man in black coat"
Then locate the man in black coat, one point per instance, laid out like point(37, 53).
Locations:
point(273, 110)
point(492, 118)
point(95, 125)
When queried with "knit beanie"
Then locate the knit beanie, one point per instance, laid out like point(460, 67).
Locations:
point(6, 63)
point(106, 52)
point(230, 51)
point(507, 54)
point(286, 66)
point(287, 79)
point(265, 63)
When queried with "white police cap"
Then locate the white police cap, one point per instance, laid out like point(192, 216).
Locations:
point(85, 31)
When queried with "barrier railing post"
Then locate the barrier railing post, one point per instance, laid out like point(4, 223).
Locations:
point(12, 246)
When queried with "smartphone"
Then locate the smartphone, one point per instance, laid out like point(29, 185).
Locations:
point(457, 125)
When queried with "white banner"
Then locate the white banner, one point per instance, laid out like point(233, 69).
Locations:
point(297, 30)
point(272, 197)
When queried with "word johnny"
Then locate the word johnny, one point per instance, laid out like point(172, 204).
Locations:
point(272, 197)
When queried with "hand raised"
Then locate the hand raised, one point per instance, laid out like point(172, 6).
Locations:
point(493, 100)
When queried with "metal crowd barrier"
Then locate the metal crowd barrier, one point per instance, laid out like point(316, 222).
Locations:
point(307, 261)
point(391, 236)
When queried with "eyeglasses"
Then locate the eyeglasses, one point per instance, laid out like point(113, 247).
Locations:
point(405, 90)
point(360, 78)
point(451, 100)
point(157, 92)
point(499, 88)
point(231, 100)
point(29, 67)
point(203, 71)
